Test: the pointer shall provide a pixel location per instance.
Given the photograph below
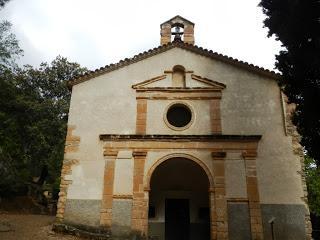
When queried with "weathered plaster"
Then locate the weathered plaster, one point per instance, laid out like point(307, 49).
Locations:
point(250, 105)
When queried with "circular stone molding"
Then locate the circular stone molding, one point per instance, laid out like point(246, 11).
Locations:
point(178, 116)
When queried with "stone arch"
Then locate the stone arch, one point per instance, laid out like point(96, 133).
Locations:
point(178, 68)
point(202, 165)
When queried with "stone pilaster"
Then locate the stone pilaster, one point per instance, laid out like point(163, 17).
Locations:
point(219, 216)
point(188, 34)
point(253, 195)
point(165, 34)
point(140, 200)
point(213, 215)
point(107, 195)
point(141, 122)
point(215, 116)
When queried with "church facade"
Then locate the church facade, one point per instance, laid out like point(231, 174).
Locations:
point(182, 143)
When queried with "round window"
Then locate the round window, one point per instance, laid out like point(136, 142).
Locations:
point(179, 115)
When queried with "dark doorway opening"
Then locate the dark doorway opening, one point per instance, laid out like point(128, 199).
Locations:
point(179, 201)
point(177, 219)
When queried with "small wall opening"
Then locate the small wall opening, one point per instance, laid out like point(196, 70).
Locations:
point(177, 32)
point(178, 76)
point(179, 115)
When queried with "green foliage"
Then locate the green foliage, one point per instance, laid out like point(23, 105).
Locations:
point(34, 105)
point(296, 23)
point(9, 45)
point(313, 184)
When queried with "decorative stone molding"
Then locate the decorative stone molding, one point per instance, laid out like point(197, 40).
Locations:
point(110, 153)
point(297, 149)
point(173, 93)
point(218, 155)
point(178, 155)
point(71, 146)
point(249, 154)
point(137, 154)
point(149, 81)
point(190, 108)
point(211, 90)
point(107, 195)
point(174, 142)
point(214, 84)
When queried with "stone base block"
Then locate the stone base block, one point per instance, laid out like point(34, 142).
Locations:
point(83, 212)
point(288, 223)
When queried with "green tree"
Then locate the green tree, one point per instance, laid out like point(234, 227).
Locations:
point(313, 184)
point(9, 45)
point(13, 173)
point(34, 107)
point(296, 23)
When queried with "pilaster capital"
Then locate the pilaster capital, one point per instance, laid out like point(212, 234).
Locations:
point(141, 154)
point(110, 153)
point(218, 155)
point(249, 154)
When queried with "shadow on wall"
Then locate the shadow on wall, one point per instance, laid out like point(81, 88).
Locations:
point(315, 220)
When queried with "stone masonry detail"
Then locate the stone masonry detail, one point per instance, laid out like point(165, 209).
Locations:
point(253, 195)
point(107, 197)
point(141, 116)
point(139, 221)
point(71, 146)
point(297, 149)
point(215, 116)
point(177, 21)
point(219, 217)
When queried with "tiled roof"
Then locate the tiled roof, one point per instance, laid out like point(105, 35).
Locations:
point(175, 44)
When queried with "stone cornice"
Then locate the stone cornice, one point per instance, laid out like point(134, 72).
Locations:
point(181, 138)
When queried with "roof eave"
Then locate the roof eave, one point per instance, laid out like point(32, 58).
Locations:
point(179, 44)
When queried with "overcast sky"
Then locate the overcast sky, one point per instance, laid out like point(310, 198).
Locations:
point(99, 32)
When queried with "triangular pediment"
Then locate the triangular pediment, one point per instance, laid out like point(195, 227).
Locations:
point(152, 82)
point(176, 20)
point(192, 82)
point(152, 52)
point(208, 82)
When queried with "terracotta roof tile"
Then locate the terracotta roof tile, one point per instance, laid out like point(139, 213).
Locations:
point(179, 44)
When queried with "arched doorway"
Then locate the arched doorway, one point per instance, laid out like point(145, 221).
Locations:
point(179, 201)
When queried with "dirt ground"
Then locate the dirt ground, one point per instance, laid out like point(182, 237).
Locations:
point(28, 226)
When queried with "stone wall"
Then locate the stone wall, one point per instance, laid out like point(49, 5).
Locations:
point(71, 146)
point(250, 105)
point(297, 149)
